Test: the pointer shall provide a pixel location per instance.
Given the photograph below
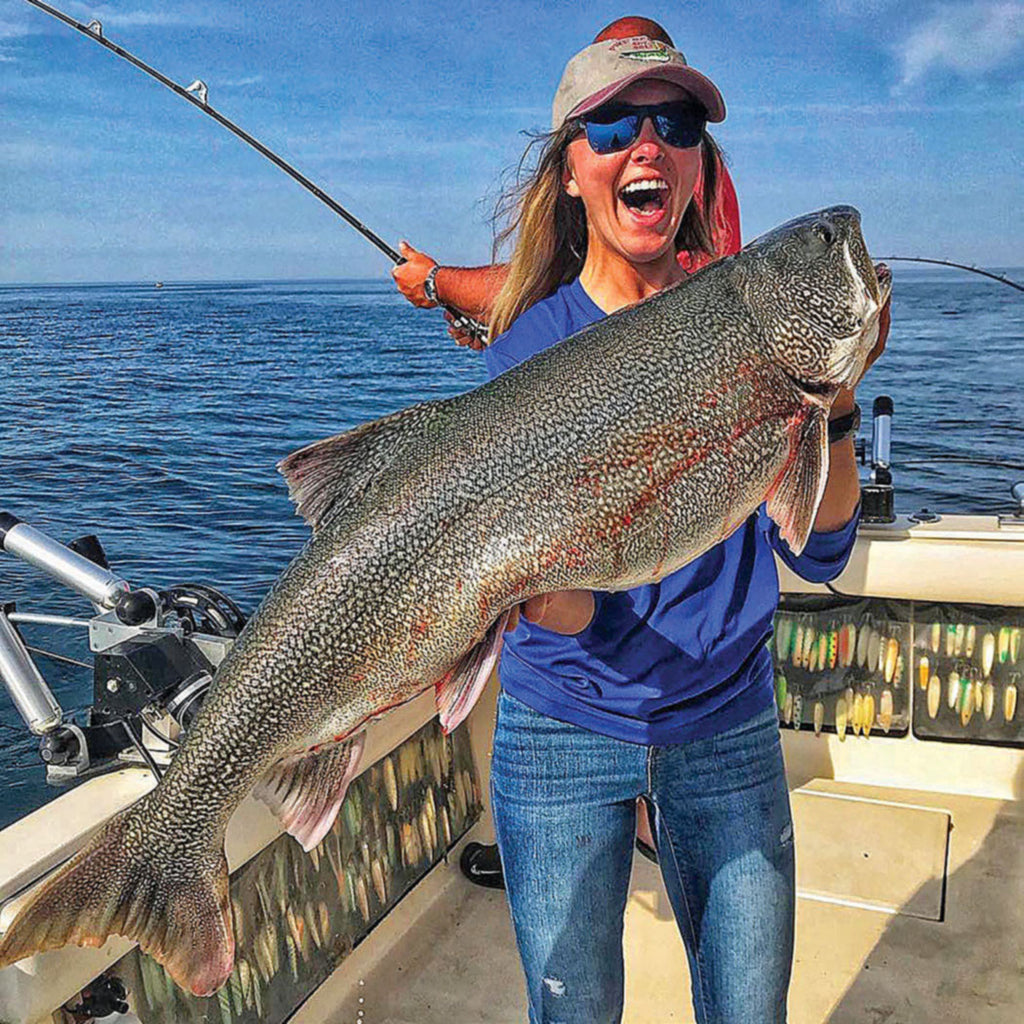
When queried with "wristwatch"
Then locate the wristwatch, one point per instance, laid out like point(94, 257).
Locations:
point(430, 286)
point(843, 427)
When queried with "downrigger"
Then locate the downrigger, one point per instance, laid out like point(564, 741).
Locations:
point(154, 656)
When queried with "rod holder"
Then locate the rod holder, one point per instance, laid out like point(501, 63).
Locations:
point(101, 586)
point(32, 697)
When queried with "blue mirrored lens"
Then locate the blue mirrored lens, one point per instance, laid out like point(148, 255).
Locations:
point(682, 132)
point(612, 136)
point(611, 129)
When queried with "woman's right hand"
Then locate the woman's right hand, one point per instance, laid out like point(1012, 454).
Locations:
point(567, 612)
point(410, 275)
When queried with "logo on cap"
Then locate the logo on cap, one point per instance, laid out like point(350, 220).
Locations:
point(642, 49)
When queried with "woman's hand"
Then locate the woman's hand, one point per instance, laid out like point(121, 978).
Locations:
point(844, 401)
point(461, 337)
point(567, 612)
point(410, 275)
point(884, 322)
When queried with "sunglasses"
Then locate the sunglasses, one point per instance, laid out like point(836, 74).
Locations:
point(616, 126)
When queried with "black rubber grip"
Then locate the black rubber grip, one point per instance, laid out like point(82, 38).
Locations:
point(882, 406)
point(7, 522)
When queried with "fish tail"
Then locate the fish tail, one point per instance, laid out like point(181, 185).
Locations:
point(125, 881)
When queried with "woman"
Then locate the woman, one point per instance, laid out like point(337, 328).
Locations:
point(663, 692)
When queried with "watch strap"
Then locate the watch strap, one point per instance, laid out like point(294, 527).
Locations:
point(430, 285)
point(843, 427)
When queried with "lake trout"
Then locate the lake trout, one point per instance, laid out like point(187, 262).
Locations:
point(605, 462)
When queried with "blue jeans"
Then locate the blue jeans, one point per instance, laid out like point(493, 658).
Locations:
point(564, 802)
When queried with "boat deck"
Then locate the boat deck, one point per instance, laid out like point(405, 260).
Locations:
point(869, 947)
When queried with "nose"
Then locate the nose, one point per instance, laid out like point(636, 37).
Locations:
point(648, 147)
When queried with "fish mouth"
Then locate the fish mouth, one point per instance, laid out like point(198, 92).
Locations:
point(646, 199)
point(883, 275)
point(815, 391)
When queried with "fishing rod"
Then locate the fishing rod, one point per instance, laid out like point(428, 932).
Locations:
point(197, 94)
point(946, 263)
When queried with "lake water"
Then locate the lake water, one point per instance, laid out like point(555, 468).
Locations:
point(154, 419)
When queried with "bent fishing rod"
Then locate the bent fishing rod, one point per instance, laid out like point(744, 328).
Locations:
point(197, 94)
point(1002, 279)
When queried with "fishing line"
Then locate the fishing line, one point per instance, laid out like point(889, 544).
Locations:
point(56, 657)
point(941, 263)
point(154, 731)
point(197, 94)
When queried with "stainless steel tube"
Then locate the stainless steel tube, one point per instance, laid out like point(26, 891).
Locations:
point(99, 585)
point(881, 434)
point(28, 689)
point(39, 619)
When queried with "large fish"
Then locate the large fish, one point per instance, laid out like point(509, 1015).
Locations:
point(605, 462)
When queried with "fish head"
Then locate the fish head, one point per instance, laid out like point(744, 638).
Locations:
point(811, 285)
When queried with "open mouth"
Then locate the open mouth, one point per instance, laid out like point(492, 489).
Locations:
point(884, 277)
point(646, 197)
point(811, 387)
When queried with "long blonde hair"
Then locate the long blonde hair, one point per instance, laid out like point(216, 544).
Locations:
point(550, 227)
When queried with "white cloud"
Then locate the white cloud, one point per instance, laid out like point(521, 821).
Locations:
point(21, 153)
point(35, 22)
point(237, 83)
point(968, 39)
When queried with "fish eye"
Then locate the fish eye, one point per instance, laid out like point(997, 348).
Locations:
point(825, 231)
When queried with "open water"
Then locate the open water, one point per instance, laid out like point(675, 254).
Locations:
point(154, 419)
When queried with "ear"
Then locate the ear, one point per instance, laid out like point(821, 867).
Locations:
point(568, 180)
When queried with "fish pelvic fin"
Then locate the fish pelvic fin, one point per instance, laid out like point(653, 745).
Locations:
point(174, 904)
point(328, 476)
point(796, 493)
point(458, 691)
point(305, 790)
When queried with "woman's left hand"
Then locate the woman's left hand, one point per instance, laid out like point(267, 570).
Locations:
point(884, 321)
point(845, 399)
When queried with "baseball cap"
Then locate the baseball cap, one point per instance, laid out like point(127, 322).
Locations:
point(600, 71)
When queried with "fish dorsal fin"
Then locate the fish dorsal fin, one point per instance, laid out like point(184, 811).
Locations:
point(306, 789)
point(333, 474)
point(793, 500)
point(458, 691)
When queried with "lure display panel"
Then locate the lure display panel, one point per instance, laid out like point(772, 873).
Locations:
point(297, 915)
point(841, 665)
point(867, 667)
point(968, 669)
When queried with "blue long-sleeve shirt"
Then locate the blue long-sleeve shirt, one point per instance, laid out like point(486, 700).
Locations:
point(668, 661)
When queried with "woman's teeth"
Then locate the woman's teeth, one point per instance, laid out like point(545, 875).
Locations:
point(645, 196)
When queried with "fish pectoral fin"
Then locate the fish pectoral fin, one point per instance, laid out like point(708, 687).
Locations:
point(331, 475)
point(795, 495)
point(459, 690)
point(305, 790)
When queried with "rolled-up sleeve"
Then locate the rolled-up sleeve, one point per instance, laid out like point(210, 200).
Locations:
point(825, 555)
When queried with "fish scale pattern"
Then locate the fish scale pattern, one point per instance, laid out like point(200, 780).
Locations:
point(608, 460)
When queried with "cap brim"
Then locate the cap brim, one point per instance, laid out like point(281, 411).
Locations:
point(698, 85)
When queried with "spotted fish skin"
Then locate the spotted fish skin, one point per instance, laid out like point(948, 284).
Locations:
point(607, 461)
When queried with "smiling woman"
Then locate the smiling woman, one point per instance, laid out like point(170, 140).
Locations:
point(561, 233)
point(664, 692)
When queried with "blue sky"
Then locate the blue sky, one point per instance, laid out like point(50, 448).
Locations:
point(409, 112)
